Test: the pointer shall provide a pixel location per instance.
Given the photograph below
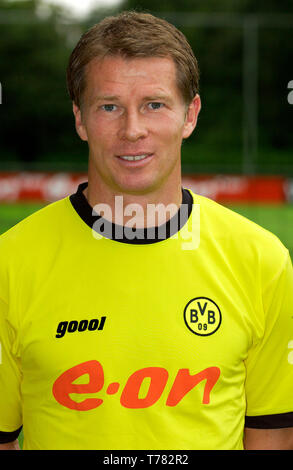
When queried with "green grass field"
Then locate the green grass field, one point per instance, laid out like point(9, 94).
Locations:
point(277, 219)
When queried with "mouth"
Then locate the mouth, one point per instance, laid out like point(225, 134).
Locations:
point(135, 159)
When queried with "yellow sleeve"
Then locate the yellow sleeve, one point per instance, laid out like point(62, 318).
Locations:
point(269, 366)
point(10, 376)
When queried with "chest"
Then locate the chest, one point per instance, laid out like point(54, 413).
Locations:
point(115, 324)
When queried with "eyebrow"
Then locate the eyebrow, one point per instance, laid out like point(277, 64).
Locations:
point(158, 97)
point(155, 97)
point(106, 98)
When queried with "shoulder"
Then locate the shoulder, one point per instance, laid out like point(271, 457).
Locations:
point(239, 236)
point(44, 216)
point(32, 244)
point(35, 230)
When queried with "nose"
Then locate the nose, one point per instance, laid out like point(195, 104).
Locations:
point(133, 126)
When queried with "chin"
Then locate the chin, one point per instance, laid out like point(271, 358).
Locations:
point(136, 190)
point(136, 187)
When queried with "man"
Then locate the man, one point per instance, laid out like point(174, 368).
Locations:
point(158, 320)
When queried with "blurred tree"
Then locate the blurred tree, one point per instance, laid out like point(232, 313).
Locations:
point(36, 121)
point(212, 6)
point(35, 113)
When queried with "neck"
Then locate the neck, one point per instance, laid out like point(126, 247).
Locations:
point(146, 209)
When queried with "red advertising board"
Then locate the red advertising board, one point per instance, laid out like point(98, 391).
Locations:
point(49, 187)
point(237, 188)
point(38, 186)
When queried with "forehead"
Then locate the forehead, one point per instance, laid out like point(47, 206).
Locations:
point(113, 75)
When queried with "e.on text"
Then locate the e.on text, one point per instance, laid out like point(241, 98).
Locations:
point(184, 382)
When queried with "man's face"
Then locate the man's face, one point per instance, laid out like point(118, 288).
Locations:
point(134, 119)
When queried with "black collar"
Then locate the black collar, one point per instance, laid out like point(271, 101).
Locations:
point(126, 234)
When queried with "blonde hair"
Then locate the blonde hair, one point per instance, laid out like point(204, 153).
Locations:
point(132, 34)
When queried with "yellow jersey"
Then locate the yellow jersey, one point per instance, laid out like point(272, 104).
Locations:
point(176, 341)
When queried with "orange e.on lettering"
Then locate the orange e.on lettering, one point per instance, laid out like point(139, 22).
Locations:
point(63, 386)
point(184, 382)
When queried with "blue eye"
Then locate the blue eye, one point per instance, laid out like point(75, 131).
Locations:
point(109, 107)
point(155, 105)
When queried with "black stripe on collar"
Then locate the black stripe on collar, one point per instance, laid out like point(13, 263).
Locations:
point(127, 234)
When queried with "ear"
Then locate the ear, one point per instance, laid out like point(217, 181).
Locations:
point(79, 126)
point(191, 117)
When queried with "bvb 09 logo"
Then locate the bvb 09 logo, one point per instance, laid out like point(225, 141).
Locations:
point(202, 316)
